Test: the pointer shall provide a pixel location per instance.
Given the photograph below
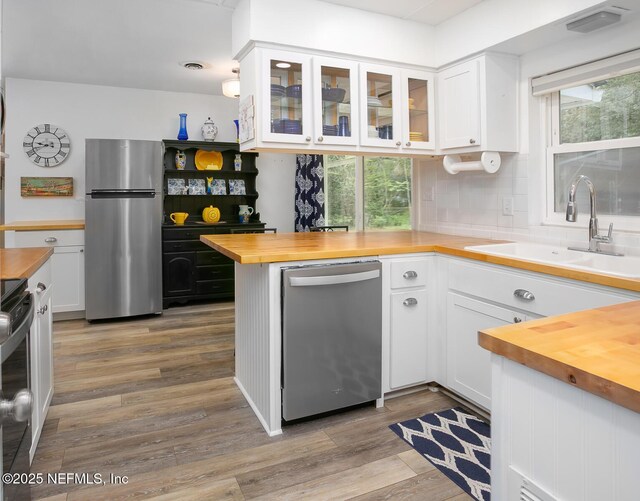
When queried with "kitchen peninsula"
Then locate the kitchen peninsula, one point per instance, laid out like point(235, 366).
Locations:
point(440, 260)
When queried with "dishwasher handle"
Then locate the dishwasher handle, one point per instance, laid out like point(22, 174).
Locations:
point(333, 279)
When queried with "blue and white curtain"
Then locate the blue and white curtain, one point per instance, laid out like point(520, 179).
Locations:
point(309, 192)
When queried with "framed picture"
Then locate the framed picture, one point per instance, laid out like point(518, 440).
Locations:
point(237, 187)
point(46, 186)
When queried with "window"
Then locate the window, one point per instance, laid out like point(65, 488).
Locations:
point(372, 193)
point(595, 131)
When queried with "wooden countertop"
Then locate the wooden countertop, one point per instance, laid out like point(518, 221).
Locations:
point(54, 224)
point(22, 263)
point(252, 248)
point(595, 350)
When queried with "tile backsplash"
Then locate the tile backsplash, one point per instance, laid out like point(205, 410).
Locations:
point(471, 203)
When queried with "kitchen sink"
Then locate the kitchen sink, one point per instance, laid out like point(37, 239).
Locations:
point(621, 266)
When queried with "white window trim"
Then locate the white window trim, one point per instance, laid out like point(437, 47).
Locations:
point(553, 146)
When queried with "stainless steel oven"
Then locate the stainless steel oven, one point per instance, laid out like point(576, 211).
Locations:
point(16, 316)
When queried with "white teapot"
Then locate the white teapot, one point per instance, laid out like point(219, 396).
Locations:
point(209, 130)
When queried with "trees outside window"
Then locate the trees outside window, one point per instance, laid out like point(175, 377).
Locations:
point(372, 193)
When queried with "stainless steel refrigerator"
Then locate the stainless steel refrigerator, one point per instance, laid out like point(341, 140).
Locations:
point(123, 216)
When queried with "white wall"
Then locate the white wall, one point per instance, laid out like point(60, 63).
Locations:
point(323, 26)
point(90, 111)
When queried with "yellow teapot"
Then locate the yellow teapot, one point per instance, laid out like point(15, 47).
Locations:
point(211, 214)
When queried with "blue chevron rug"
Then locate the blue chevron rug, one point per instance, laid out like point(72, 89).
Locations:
point(457, 443)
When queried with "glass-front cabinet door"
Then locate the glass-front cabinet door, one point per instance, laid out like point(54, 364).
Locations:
point(418, 110)
point(286, 97)
point(380, 117)
point(335, 101)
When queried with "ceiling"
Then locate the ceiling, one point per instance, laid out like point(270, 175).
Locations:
point(430, 12)
point(122, 43)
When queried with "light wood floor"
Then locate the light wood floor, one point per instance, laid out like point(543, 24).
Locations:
point(154, 399)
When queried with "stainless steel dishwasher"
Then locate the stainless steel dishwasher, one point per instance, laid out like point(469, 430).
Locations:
point(331, 337)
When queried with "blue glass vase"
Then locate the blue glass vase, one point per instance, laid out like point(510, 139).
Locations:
point(182, 133)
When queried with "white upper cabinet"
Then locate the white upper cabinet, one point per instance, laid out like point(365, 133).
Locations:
point(286, 98)
point(459, 106)
point(380, 92)
point(478, 105)
point(417, 110)
point(335, 101)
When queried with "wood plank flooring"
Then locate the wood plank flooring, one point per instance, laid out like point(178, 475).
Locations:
point(154, 400)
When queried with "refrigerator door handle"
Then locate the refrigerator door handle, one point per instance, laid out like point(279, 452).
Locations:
point(122, 194)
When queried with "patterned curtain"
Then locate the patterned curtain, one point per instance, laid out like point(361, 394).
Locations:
point(309, 192)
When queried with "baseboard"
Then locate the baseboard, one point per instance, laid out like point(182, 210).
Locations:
point(68, 315)
point(470, 405)
point(263, 421)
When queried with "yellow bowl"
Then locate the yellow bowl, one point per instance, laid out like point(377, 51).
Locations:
point(208, 160)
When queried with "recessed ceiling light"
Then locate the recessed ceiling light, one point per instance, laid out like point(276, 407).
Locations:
point(283, 65)
point(193, 65)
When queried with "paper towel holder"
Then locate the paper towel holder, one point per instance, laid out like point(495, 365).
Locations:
point(489, 162)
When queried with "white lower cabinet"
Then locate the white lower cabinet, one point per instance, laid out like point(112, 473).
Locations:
point(408, 347)
point(469, 365)
point(41, 350)
point(67, 264)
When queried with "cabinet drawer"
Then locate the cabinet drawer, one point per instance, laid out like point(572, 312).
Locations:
point(215, 287)
point(215, 272)
point(212, 258)
point(184, 233)
point(549, 296)
point(408, 273)
point(52, 238)
point(181, 245)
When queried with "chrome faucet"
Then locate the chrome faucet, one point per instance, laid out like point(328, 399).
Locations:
point(572, 212)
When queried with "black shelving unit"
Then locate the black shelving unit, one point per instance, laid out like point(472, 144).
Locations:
point(192, 270)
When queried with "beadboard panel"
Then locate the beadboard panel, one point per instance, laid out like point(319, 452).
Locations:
point(571, 443)
point(253, 341)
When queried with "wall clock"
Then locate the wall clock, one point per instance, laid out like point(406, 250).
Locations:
point(46, 145)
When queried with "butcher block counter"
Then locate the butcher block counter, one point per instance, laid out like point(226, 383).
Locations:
point(255, 248)
point(22, 263)
point(54, 224)
point(596, 350)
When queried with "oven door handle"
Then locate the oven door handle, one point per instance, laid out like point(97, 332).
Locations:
point(19, 332)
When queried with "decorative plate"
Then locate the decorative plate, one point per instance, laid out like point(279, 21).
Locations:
point(237, 187)
point(217, 187)
point(176, 186)
point(208, 160)
point(196, 187)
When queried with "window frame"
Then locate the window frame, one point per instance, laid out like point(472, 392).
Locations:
point(359, 193)
point(553, 146)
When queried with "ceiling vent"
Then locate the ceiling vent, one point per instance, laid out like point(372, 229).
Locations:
point(193, 65)
point(594, 22)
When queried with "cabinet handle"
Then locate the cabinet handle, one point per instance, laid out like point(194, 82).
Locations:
point(43, 310)
point(308, 138)
point(524, 294)
point(320, 139)
point(517, 320)
point(472, 141)
point(408, 143)
point(410, 301)
point(398, 143)
point(410, 274)
point(81, 250)
point(51, 240)
point(40, 288)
